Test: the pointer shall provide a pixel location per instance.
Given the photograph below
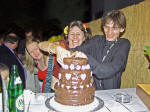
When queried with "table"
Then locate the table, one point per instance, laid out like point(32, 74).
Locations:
point(110, 105)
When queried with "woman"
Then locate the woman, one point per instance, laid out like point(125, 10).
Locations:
point(76, 34)
point(34, 59)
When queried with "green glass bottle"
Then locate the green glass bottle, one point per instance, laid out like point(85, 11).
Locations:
point(15, 91)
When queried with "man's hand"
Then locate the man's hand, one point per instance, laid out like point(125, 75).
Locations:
point(78, 54)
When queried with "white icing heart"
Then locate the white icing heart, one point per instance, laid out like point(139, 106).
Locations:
point(62, 85)
point(83, 76)
point(65, 66)
point(68, 76)
point(87, 86)
point(72, 67)
point(74, 87)
point(68, 87)
point(59, 76)
point(78, 67)
point(81, 86)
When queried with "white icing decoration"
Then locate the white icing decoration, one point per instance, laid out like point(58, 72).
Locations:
point(91, 74)
point(78, 67)
point(62, 65)
point(58, 84)
point(74, 82)
point(62, 85)
point(83, 67)
point(87, 86)
point(88, 66)
point(83, 76)
point(65, 66)
point(74, 78)
point(68, 87)
point(74, 87)
point(75, 91)
point(59, 76)
point(81, 86)
point(68, 76)
point(90, 84)
point(72, 67)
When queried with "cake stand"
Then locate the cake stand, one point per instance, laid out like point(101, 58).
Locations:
point(54, 106)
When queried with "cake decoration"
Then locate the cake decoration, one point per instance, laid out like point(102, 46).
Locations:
point(76, 82)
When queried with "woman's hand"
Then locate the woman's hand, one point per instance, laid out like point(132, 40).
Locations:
point(62, 53)
point(48, 47)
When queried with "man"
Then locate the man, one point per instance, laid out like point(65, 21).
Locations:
point(108, 54)
point(21, 48)
point(8, 56)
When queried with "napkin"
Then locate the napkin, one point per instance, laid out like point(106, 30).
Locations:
point(29, 98)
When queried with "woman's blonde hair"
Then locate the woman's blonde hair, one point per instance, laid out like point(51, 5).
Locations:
point(29, 61)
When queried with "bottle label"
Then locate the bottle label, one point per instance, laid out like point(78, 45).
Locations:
point(20, 103)
point(18, 81)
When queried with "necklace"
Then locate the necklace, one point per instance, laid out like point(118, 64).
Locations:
point(107, 52)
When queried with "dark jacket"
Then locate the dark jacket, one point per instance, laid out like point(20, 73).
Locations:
point(107, 74)
point(8, 58)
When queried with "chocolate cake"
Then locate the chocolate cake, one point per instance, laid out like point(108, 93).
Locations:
point(75, 86)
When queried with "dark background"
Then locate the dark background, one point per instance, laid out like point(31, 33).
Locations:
point(53, 14)
point(27, 12)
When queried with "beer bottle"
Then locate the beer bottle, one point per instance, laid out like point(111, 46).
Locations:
point(15, 91)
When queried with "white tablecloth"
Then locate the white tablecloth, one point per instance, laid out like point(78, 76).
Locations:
point(110, 105)
point(0, 102)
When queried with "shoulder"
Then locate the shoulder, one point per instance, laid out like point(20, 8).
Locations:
point(96, 39)
point(124, 41)
point(3, 48)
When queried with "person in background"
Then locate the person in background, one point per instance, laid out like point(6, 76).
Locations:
point(35, 58)
point(4, 76)
point(1, 38)
point(4, 72)
point(9, 58)
point(12, 34)
point(29, 34)
point(107, 54)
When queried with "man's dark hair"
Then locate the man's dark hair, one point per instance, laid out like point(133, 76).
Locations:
point(11, 39)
